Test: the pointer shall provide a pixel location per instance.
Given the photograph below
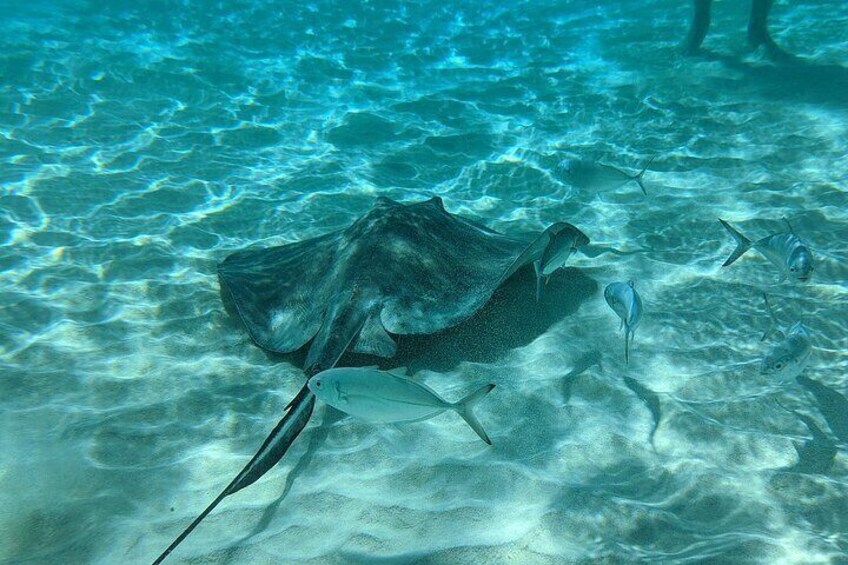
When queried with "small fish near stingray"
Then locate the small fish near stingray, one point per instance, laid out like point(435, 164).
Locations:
point(582, 173)
point(387, 397)
point(553, 249)
point(787, 358)
point(627, 304)
point(400, 269)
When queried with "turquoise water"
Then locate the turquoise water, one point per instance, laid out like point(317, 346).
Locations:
point(141, 143)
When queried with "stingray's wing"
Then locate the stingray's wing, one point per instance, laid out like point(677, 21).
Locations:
point(441, 268)
point(281, 293)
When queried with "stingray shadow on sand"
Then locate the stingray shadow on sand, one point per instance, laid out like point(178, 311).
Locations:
point(511, 319)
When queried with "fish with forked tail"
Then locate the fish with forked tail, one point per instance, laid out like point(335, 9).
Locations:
point(383, 396)
point(597, 176)
point(626, 302)
point(787, 358)
point(785, 250)
point(549, 252)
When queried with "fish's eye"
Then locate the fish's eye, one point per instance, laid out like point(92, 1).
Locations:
point(778, 365)
point(793, 269)
point(318, 383)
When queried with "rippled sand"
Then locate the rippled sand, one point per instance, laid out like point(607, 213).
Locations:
point(141, 144)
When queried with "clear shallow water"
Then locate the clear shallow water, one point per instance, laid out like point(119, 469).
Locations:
point(141, 144)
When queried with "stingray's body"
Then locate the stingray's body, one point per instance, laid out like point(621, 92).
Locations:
point(399, 269)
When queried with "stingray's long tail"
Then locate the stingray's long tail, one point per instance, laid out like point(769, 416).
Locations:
point(272, 450)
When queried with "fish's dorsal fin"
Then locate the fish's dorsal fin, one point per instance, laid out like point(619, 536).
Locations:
point(792, 231)
point(774, 325)
point(399, 371)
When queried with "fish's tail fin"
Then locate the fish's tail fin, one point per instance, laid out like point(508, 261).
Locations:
point(743, 244)
point(465, 408)
point(772, 320)
point(640, 174)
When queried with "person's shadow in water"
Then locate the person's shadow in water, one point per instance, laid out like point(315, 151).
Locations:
point(795, 78)
point(788, 76)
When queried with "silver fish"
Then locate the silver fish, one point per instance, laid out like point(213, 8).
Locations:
point(565, 239)
point(786, 250)
point(382, 396)
point(787, 358)
point(626, 302)
point(597, 176)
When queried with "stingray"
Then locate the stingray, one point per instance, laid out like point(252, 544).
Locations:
point(398, 270)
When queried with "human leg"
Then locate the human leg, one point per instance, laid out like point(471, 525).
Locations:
point(700, 25)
